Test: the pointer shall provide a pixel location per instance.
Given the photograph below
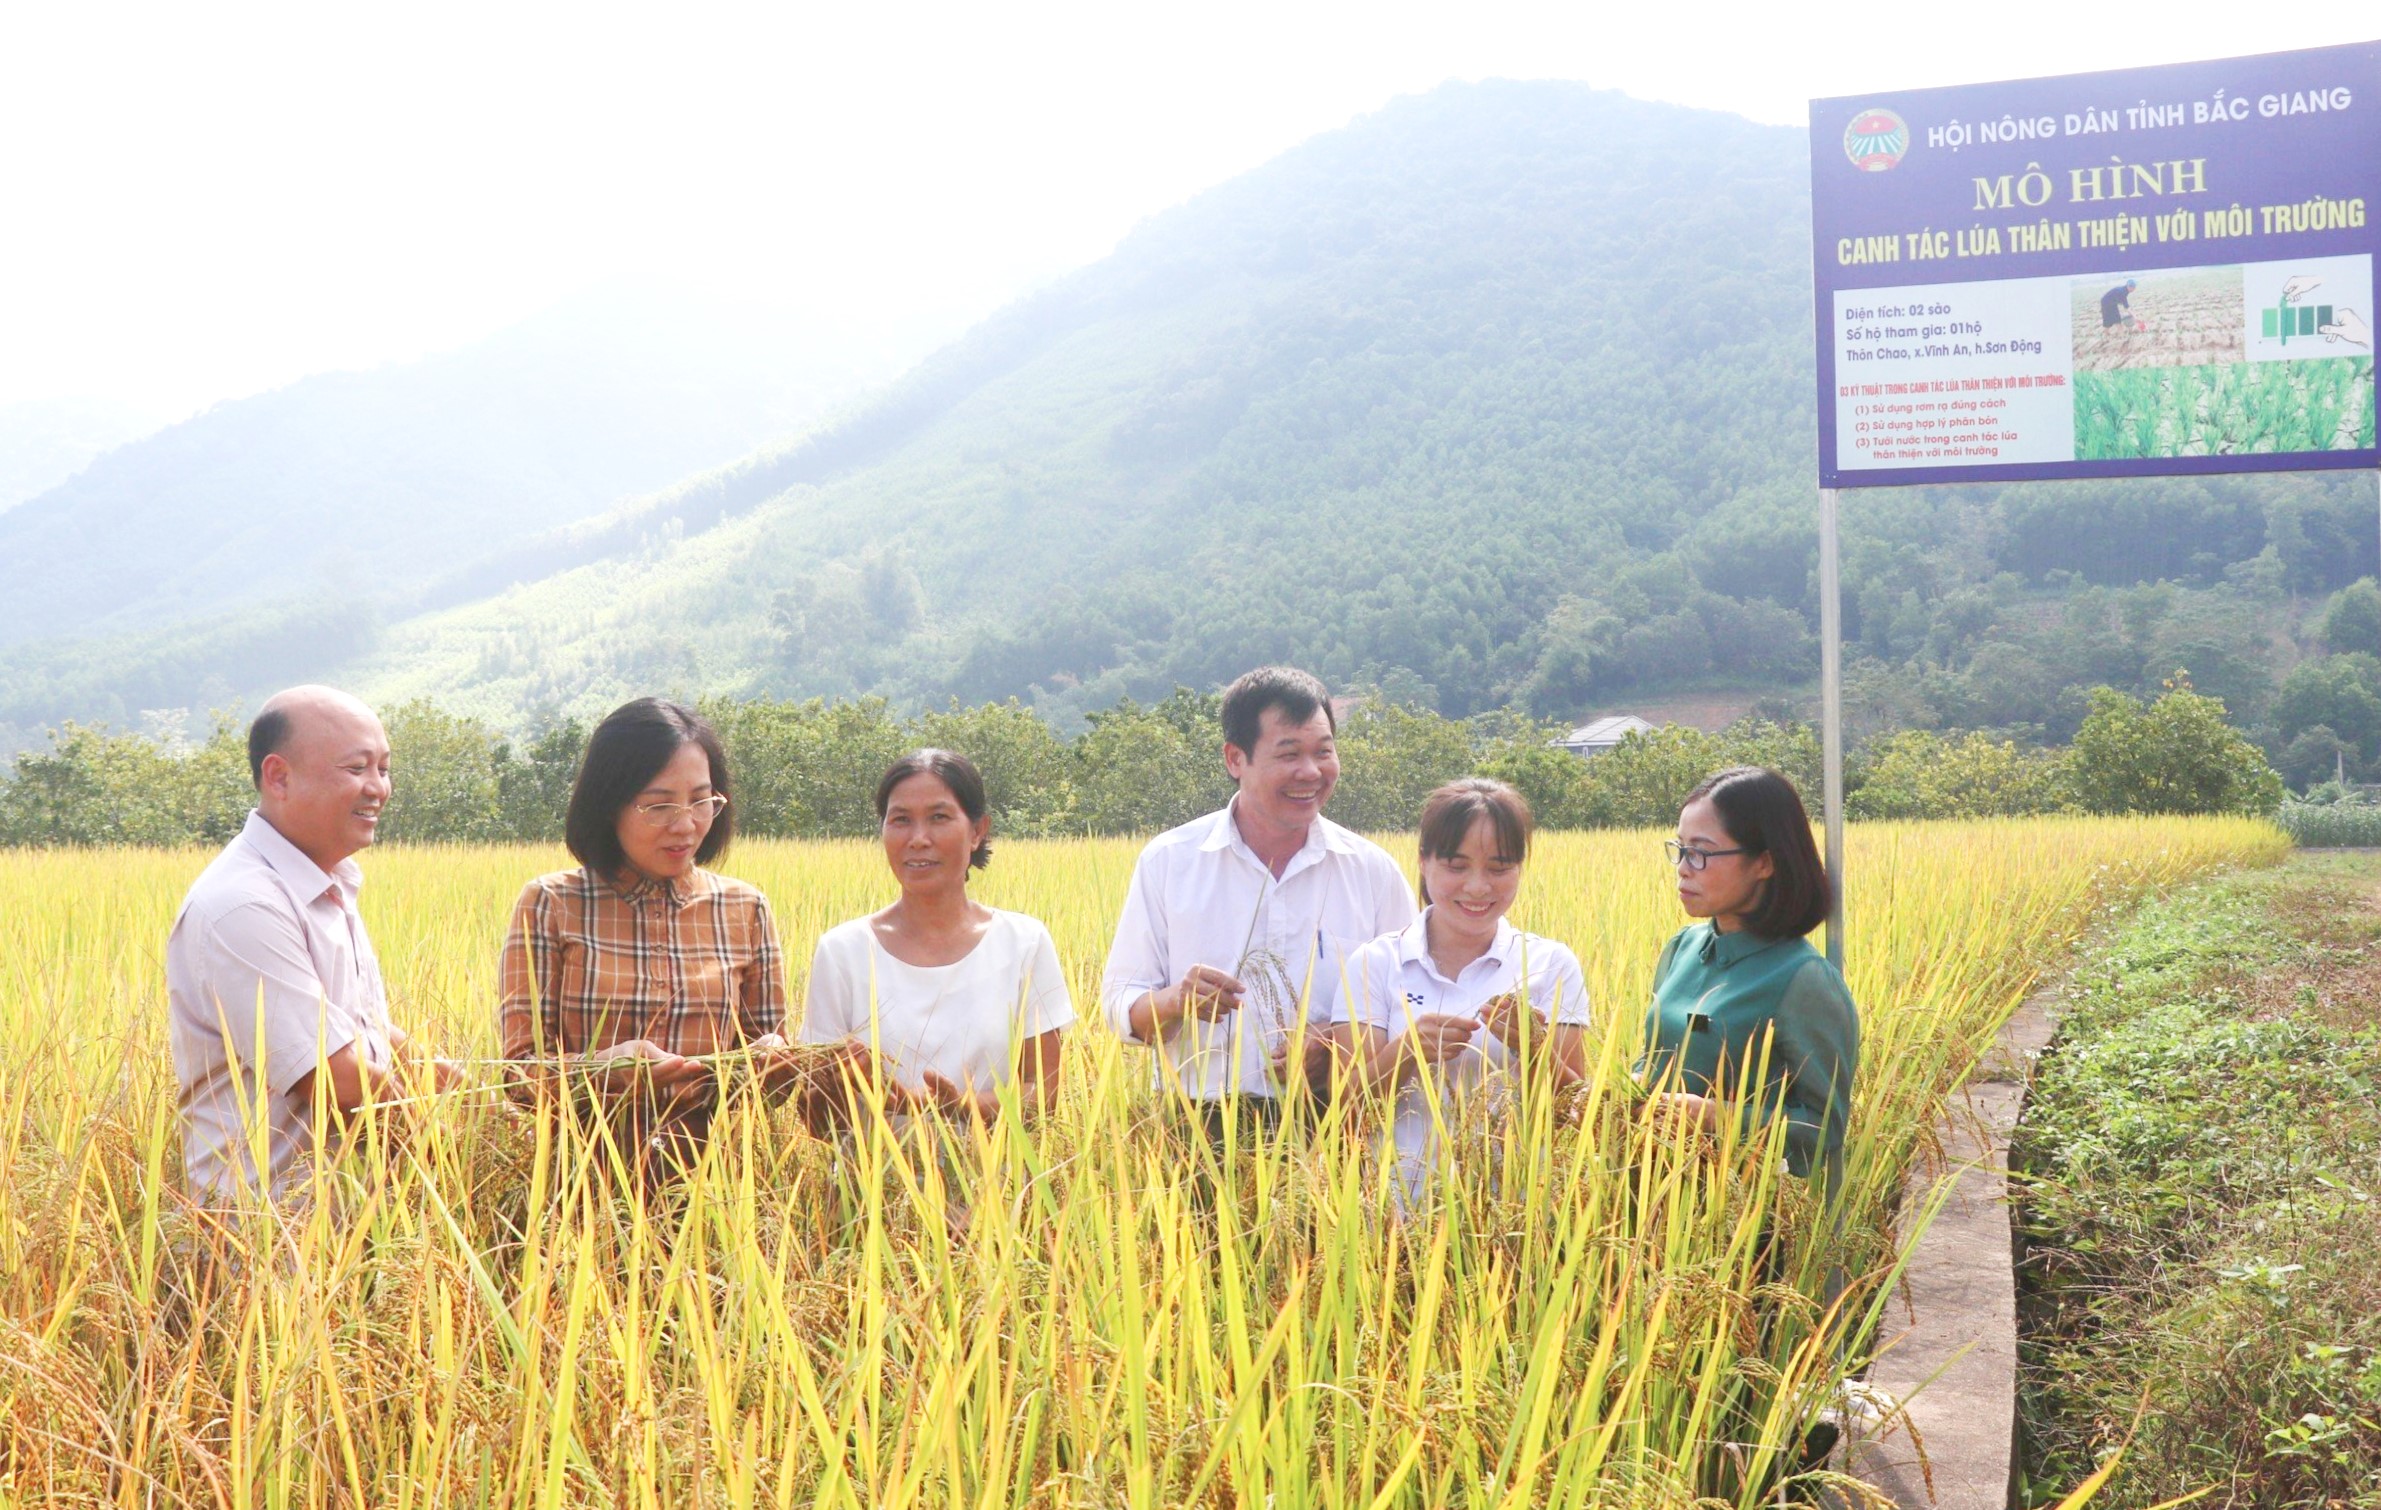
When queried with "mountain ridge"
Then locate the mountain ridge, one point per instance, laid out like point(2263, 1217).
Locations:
point(1247, 296)
point(371, 483)
point(1502, 394)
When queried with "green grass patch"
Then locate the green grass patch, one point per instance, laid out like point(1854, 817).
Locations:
point(2202, 1227)
point(2237, 408)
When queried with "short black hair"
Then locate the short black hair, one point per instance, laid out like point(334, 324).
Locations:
point(1297, 693)
point(624, 754)
point(1449, 813)
point(953, 770)
point(266, 736)
point(1764, 815)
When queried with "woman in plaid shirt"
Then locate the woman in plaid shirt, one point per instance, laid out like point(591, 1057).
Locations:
point(624, 978)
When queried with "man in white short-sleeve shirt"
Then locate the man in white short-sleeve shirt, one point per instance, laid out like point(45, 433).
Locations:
point(1238, 922)
point(271, 981)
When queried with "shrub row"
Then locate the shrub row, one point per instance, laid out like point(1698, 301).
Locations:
point(810, 768)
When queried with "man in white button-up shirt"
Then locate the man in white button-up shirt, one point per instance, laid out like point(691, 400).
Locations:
point(271, 981)
point(1236, 924)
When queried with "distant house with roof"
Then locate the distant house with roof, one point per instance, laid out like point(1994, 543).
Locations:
point(1599, 735)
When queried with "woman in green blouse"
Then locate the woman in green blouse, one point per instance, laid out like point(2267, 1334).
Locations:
point(1746, 973)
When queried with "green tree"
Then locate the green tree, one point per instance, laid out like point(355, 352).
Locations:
point(1921, 774)
point(807, 768)
point(1140, 770)
point(890, 590)
point(1028, 777)
point(1391, 756)
point(2353, 622)
point(1664, 650)
point(1560, 790)
point(213, 790)
point(2176, 755)
point(90, 788)
point(533, 782)
point(1645, 781)
point(1197, 716)
point(442, 778)
point(2341, 693)
point(2316, 756)
point(1577, 639)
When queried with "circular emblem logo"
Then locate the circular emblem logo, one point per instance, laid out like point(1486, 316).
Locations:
point(1876, 140)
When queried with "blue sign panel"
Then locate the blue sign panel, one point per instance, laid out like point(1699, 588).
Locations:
point(2154, 271)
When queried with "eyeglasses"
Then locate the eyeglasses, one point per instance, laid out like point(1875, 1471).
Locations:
point(665, 814)
point(1693, 858)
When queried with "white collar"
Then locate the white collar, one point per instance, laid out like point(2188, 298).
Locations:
point(1413, 943)
point(304, 879)
point(1322, 834)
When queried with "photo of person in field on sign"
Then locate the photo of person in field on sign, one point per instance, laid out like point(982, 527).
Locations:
point(2116, 306)
point(2183, 317)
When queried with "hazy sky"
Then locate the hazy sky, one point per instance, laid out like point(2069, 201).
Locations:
point(203, 201)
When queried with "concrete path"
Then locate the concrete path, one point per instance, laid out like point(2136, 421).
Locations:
point(1962, 1347)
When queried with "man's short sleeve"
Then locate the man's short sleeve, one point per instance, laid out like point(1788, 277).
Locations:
point(1137, 962)
point(1394, 907)
point(268, 1002)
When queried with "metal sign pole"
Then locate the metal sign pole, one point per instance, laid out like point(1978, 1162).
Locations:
point(1831, 715)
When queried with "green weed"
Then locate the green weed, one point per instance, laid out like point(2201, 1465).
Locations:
point(2240, 408)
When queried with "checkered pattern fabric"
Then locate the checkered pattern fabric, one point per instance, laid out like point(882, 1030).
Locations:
point(691, 964)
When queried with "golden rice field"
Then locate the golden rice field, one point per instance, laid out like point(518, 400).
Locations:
point(1061, 1314)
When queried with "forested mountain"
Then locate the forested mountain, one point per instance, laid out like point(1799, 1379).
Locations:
point(1501, 394)
point(45, 441)
point(1381, 405)
point(380, 490)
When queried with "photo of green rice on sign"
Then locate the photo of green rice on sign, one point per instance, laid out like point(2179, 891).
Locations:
point(2224, 361)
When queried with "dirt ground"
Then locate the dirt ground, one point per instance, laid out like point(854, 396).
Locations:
point(2186, 319)
point(2335, 916)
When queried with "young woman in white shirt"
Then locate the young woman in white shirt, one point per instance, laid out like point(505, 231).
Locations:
point(1460, 996)
point(956, 998)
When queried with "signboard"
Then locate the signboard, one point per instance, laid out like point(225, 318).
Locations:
point(2159, 270)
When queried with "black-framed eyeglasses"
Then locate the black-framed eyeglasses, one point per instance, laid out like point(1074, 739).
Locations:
point(1695, 859)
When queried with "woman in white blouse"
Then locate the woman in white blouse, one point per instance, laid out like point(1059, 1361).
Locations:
point(955, 998)
point(1452, 995)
